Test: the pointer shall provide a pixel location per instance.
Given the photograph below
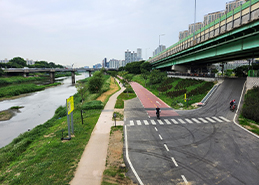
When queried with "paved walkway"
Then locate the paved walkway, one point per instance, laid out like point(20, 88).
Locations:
point(92, 164)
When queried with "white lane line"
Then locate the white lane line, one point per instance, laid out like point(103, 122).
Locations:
point(146, 122)
point(225, 119)
point(175, 163)
point(197, 121)
point(138, 122)
point(128, 159)
point(160, 137)
point(203, 120)
point(174, 121)
point(160, 122)
point(156, 129)
point(184, 179)
point(189, 121)
point(153, 122)
point(217, 119)
point(158, 102)
point(166, 147)
point(211, 120)
point(131, 123)
point(181, 121)
point(167, 122)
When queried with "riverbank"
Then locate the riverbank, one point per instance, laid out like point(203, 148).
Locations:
point(40, 157)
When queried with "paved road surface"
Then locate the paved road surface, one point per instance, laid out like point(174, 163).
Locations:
point(201, 146)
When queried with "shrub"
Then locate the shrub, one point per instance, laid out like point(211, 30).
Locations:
point(61, 112)
point(251, 104)
point(95, 104)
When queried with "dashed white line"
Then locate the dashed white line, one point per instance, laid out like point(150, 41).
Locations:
point(131, 123)
point(224, 119)
point(184, 179)
point(138, 122)
point(153, 122)
point(167, 122)
point(174, 121)
point(156, 129)
point(146, 122)
point(160, 122)
point(175, 163)
point(160, 137)
point(166, 147)
point(181, 121)
point(217, 119)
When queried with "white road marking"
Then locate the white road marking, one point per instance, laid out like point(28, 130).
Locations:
point(211, 120)
point(189, 121)
point(153, 122)
point(138, 122)
point(225, 119)
point(158, 102)
point(160, 122)
point(217, 119)
point(128, 159)
point(184, 179)
point(131, 123)
point(160, 137)
point(167, 122)
point(146, 122)
point(196, 120)
point(181, 121)
point(203, 120)
point(175, 122)
point(166, 147)
point(175, 163)
point(156, 129)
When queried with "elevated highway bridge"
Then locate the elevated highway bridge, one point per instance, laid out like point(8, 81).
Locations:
point(234, 36)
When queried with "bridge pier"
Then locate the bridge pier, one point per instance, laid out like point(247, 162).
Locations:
point(73, 77)
point(52, 77)
point(90, 74)
point(26, 74)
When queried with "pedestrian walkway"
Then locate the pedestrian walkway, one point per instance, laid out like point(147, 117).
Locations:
point(175, 121)
point(92, 163)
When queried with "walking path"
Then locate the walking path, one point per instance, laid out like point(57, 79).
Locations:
point(92, 164)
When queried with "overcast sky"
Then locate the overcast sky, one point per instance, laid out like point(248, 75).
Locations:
point(84, 32)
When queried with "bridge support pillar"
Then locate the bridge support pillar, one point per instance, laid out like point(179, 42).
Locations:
point(26, 74)
point(73, 77)
point(90, 74)
point(52, 77)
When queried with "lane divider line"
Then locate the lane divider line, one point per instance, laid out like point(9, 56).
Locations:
point(166, 147)
point(160, 137)
point(156, 129)
point(128, 159)
point(175, 163)
point(184, 179)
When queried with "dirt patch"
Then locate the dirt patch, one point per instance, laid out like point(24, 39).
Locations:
point(115, 168)
point(6, 115)
point(113, 88)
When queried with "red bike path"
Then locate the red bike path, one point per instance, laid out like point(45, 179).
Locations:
point(150, 102)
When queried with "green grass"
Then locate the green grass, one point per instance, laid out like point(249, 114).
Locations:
point(40, 156)
point(173, 102)
point(18, 79)
point(249, 124)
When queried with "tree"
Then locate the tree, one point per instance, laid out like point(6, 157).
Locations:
point(133, 67)
point(17, 62)
point(156, 76)
point(145, 75)
point(1, 72)
point(128, 78)
point(145, 66)
point(96, 82)
point(81, 89)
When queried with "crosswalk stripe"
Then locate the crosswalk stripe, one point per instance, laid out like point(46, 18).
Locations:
point(131, 123)
point(167, 122)
point(211, 120)
point(224, 119)
point(160, 122)
point(146, 122)
point(203, 120)
point(174, 121)
point(138, 122)
point(189, 121)
point(181, 121)
point(217, 119)
point(196, 120)
point(153, 122)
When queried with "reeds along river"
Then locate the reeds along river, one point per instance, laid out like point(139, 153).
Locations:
point(38, 108)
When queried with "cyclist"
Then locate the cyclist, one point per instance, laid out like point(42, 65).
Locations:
point(233, 102)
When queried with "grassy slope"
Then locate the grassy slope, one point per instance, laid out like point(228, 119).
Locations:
point(40, 157)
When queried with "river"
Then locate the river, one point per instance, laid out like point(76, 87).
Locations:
point(38, 108)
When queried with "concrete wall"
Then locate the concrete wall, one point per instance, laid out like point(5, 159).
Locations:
point(252, 81)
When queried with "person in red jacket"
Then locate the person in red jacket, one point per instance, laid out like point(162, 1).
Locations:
point(233, 102)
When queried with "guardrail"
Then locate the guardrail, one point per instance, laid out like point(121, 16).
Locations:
point(253, 73)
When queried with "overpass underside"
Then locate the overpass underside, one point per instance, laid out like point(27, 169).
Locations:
point(233, 38)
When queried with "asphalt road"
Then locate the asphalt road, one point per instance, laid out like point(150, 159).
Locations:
point(201, 146)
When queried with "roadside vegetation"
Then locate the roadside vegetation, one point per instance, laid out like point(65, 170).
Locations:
point(40, 156)
point(249, 117)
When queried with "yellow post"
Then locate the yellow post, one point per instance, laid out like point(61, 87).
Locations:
point(185, 97)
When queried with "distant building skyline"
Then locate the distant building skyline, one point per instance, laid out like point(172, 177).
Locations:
point(159, 49)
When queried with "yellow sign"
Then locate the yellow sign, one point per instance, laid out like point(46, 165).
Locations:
point(70, 104)
point(185, 97)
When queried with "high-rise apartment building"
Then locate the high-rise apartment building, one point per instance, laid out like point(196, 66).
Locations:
point(183, 34)
point(130, 57)
point(194, 27)
point(212, 17)
point(159, 50)
point(139, 54)
point(104, 63)
point(231, 5)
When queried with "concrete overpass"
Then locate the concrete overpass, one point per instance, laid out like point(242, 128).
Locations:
point(233, 36)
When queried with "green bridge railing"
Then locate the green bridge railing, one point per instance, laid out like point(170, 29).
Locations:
point(253, 73)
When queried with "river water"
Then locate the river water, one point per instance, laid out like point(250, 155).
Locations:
point(38, 108)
